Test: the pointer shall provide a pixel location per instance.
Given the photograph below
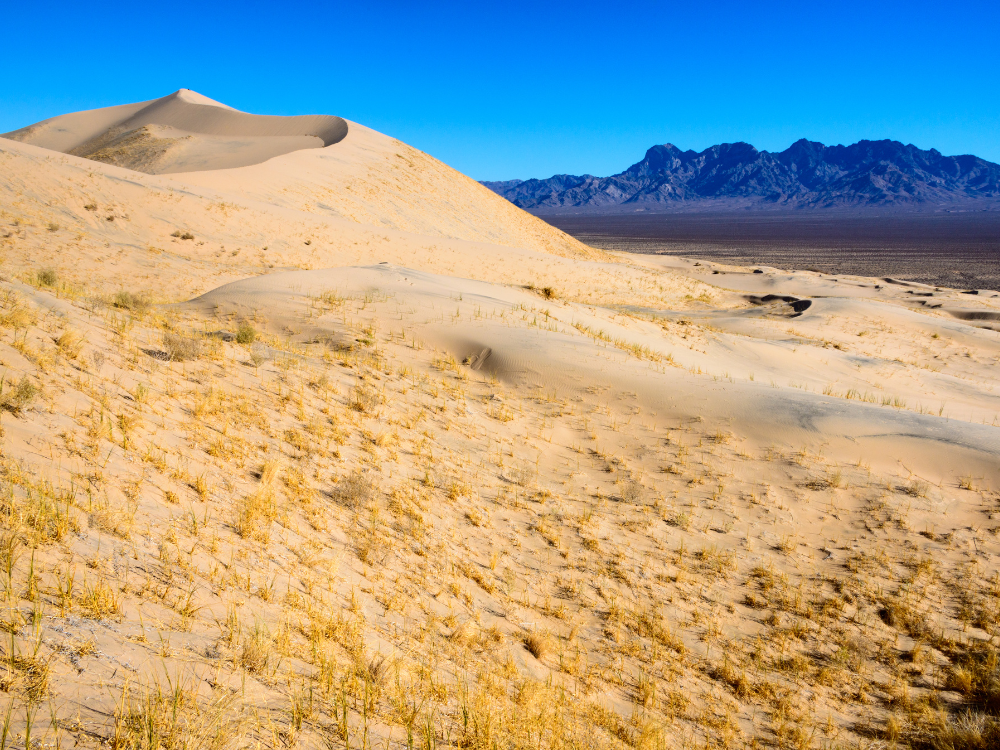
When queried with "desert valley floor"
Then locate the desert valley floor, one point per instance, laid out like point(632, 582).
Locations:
point(327, 445)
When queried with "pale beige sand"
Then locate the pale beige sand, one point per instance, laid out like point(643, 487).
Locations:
point(571, 498)
point(182, 132)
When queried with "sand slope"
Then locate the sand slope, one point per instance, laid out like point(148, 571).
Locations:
point(182, 132)
point(376, 180)
point(563, 358)
point(337, 449)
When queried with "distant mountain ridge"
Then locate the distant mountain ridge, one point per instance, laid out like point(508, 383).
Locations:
point(807, 174)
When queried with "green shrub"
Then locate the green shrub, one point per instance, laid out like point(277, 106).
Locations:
point(246, 333)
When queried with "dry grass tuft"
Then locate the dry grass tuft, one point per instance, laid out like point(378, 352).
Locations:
point(355, 490)
point(136, 303)
point(538, 643)
point(181, 348)
point(255, 650)
point(70, 344)
point(254, 514)
point(155, 717)
point(366, 399)
point(19, 396)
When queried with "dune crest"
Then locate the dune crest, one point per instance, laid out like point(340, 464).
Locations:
point(182, 132)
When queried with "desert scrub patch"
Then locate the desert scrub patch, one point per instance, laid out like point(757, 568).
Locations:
point(181, 348)
point(14, 313)
point(136, 303)
point(47, 277)
point(365, 398)
point(35, 509)
point(173, 716)
point(681, 520)
point(100, 601)
point(630, 490)
point(355, 490)
point(27, 674)
point(254, 513)
point(16, 397)
point(548, 292)
point(182, 235)
point(255, 650)
point(246, 334)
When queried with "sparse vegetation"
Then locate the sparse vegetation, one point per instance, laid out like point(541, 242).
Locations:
point(181, 348)
point(136, 303)
point(17, 396)
point(246, 334)
point(328, 530)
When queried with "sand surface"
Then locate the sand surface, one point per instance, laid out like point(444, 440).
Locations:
point(182, 132)
point(341, 448)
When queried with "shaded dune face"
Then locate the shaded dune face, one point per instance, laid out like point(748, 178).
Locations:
point(182, 132)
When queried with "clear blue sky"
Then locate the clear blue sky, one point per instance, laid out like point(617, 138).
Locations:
point(502, 90)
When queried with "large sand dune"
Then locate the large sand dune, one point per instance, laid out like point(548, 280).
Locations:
point(182, 132)
point(340, 448)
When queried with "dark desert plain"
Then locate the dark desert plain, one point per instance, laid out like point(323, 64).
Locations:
point(955, 248)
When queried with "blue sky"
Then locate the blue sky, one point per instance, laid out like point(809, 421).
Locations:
point(502, 90)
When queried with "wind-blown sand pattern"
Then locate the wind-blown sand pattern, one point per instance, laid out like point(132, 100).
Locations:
point(183, 132)
point(339, 449)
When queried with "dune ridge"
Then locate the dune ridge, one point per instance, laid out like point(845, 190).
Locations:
point(163, 136)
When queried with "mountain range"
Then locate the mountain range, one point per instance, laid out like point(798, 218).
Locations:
point(806, 175)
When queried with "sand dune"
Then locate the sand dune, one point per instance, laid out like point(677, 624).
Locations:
point(182, 132)
point(338, 446)
point(564, 359)
point(376, 180)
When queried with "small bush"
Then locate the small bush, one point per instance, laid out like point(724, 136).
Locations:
point(14, 314)
point(181, 348)
point(137, 303)
point(246, 333)
point(365, 399)
point(19, 396)
point(91, 207)
point(258, 354)
point(355, 490)
point(631, 491)
point(374, 670)
point(53, 227)
point(48, 277)
point(548, 292)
